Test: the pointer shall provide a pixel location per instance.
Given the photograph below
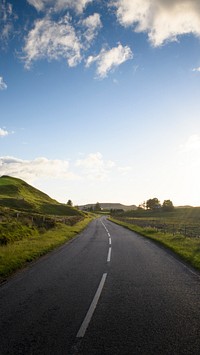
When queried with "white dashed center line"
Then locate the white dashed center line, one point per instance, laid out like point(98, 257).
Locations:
point(91, 310)
point(88, 317)
point(109, 255)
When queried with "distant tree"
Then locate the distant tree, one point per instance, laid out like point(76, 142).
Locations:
point(142, 206)
point(167, 206)
point(153, 204)
point(69, 203)
point(118, 211)
point(97, 207)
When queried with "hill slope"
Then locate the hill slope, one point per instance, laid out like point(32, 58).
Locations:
point(17, 194)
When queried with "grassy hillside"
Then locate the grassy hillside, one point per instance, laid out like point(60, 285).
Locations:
point(32, 224)
point(17, 194)
point(16, 255)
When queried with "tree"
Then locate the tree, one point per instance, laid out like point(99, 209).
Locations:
point(153, 204)
point(167, 206)
point(97, 207)
point(69, 203)
point(142, 206)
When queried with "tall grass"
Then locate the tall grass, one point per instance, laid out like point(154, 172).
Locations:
point(14, 231)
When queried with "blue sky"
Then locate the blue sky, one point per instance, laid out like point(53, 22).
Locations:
point(100, 99)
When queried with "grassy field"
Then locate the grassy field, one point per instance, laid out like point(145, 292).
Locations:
point(185, 247)
point(184, 221)
point(16, 255)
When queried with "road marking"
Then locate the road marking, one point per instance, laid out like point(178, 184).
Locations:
point(109, 255)
point(91, 310)
point(109, 234)
point(104, 226)
point(110, 242)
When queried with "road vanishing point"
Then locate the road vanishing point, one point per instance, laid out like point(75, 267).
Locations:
point(108, 291)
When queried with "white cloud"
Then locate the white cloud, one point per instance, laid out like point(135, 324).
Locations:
point(58, 179)
point(163, 20)
point(92, 24)
point(3, 85)
point(52, 40)
point(31, 170)
point(95, 167)
point(125, 170)
point(58, 5)
point(38, 4)
point(192, 145)
point(196, 69)
point(110, 59)
point(7, 18)
point(3, 132)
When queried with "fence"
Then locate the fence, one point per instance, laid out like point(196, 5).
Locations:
point(172, 228)
point(38, 220)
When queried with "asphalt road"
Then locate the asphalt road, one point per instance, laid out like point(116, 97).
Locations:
point(109, 292)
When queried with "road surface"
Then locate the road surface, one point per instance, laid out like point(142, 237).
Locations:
point(109, 291)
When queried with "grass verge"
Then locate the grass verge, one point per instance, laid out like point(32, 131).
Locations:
point(188, 249)
point(16, 255)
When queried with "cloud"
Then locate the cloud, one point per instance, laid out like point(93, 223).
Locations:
point(3, 85)
point(163, 20)
point(192, 145)
point(38, 4)
point(52, 40)
point(125, 170)
point(110, 59)
point(3, 132)
point(189, 158)
point(95, 167)
point(59, 5)
point(196, 69)
point(92, 24)
point(92, 167)
point(31, 170)
point(7, 18)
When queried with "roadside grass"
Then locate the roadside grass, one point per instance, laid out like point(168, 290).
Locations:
point(186, 248)
point(16, 255)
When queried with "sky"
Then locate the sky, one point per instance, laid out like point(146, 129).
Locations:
point(99, 100)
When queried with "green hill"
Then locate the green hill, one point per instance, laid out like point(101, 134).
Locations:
point(17, 194)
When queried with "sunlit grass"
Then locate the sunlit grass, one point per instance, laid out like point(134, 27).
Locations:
point(187, 248)
point(17, 194)
point(15, 255)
